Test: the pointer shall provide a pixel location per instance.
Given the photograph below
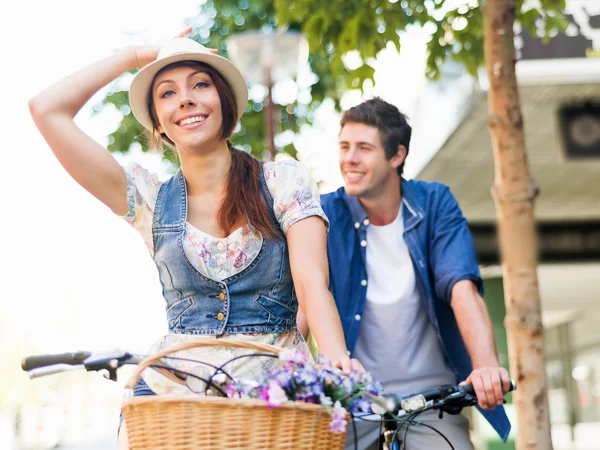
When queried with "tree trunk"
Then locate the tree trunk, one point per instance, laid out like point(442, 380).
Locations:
point(514, 192)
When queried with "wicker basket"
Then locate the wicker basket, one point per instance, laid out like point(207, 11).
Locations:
point(204, 422)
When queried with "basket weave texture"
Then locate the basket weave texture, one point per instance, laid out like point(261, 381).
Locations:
point(207, 422)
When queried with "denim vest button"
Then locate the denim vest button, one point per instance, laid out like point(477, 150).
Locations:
point(357, 317)
point(366, 222)
point(363, 243)
point(357, 225)
point(363, 283)
point(220, 317)
point(222, 297)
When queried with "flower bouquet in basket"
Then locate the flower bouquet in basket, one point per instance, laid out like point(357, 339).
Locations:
point(299, 379)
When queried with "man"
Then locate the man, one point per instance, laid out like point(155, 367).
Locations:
point(406, 281)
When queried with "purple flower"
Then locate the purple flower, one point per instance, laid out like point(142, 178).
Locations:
point(298, 379)
point(283, 377)
point(308, 376)
point(316, 388)
point(361, 405)
point(348, 385)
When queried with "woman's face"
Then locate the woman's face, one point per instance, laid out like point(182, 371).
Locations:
point(187, 107)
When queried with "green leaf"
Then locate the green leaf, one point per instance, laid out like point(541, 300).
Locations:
point(334, 28)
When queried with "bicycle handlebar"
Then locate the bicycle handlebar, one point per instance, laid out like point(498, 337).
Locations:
point(442, 396)
point(468, 388)
point(34, 362)
point(447, 397)
point(41, 365)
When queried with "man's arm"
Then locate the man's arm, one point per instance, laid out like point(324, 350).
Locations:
point(490, 380)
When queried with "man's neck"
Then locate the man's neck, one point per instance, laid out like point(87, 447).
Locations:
point(383, 209)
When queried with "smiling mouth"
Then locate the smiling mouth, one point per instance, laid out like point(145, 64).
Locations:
point(354, 176)
point(191, 120)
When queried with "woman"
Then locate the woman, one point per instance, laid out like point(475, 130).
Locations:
point(238, 244)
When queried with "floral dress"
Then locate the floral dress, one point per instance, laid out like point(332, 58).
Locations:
point(295, 197)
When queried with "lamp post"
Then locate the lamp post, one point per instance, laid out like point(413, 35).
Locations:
point(267, 58)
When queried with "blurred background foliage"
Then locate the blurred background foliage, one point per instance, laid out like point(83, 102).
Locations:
point(334, 28)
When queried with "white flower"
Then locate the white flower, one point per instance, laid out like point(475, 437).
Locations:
point(276, 395)
point(292, 355)
point(325, 400)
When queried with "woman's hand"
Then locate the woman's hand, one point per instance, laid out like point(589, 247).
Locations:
point(146, 54)
point(348, 365)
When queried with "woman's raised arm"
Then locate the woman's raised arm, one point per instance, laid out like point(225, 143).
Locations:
point(53, 111)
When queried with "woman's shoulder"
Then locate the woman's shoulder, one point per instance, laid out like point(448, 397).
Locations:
point(295, 192)
point(136, 170)
point(142, 187)
point(286, 171)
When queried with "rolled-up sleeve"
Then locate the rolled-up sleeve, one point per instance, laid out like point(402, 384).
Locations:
point(452, 251)
point(295, 193)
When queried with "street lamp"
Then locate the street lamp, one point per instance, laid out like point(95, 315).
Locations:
point(267, 58)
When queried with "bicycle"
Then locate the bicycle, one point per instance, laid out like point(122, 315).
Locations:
point(396, 411)
point(201, 422)
point(393, 410)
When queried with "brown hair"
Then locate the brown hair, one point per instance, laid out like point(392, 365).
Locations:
point(393, 127)
point(244, 187)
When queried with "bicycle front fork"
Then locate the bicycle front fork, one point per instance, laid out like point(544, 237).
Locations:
point(389, 443)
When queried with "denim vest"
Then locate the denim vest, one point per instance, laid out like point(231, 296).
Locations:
point(259, 299)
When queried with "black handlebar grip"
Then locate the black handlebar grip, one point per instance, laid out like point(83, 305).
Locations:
point(33, 362)
point(468, 388)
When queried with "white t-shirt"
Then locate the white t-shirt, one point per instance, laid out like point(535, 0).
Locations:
point(397, 342)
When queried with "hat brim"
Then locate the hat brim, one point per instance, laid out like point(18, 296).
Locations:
point(141, 83)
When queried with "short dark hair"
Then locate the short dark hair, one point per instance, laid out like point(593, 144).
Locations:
point(392, 124)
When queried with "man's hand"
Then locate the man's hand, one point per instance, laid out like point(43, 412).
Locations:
point(490, 385)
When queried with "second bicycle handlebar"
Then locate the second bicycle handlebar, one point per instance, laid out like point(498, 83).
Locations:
point(446, 395)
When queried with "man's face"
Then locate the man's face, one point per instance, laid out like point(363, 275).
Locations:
point(366, 171)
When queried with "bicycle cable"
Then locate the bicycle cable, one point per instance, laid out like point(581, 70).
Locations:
point(411, 421)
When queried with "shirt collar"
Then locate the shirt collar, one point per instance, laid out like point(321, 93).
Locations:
point(412, 213)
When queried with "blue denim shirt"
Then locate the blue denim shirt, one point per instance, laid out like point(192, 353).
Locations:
point(259, 299)
point(442, 252)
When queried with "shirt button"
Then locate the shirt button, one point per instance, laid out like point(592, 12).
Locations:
point(363, 243)
point(220, 246)
point(357, 225)
point(357, 317)
point(220, 317)
point(366, 222)
point(363, 283)
point(222, 297)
